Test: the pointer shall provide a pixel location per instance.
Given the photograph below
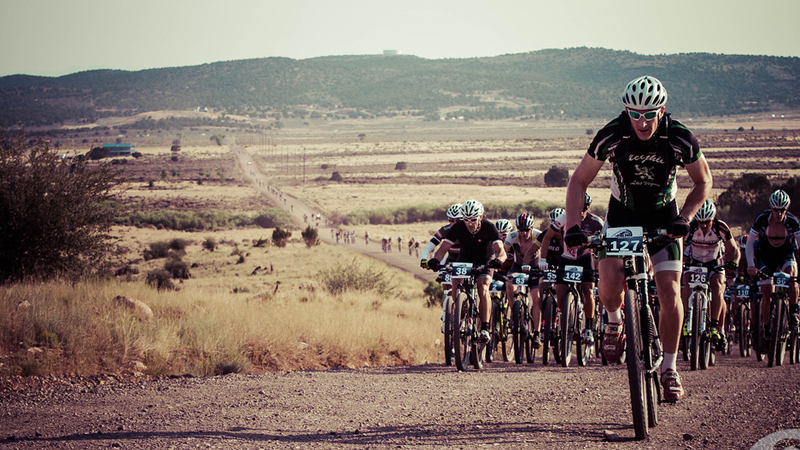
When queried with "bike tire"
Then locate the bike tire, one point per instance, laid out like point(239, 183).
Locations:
point(518, 334)
point(494, 340)
point(547, 329)
point(567, 329)
point(694, 340)
point(448, 332)
point(757, 332)
point(462, 331)
point(507, 347)
point(633, 361)
point(782, 335)
point(774, 343)
point(528, 330)
point(652, 392)
point(581, 348)
point(794, 347)
point(743, 327)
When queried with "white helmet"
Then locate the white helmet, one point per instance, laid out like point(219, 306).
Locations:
point(779, 199)
point(504, 226)
point(644, 93)
point(471, 209)
point(454, 211)
point(706, 212)
point(555, 213)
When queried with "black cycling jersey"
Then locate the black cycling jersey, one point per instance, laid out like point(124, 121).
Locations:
point(554, 250)
point(644, 171)
point(475, 248)
point(453, 251)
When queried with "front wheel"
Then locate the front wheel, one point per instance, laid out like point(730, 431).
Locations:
point(567, 329)
point(743, 326)
point(695, 339)
point(463, 326)
point(547, 331)
point(448, 330)
point(518, 333)
point(633, 360)
point(505, 335)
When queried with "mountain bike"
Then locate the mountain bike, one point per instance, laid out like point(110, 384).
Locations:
point(600, 321)
point(774, 339)
point(447, 317)
point(643, 347)
point(466, 320)
point(742, 295)
point(522, 322)
point(572, 318)
point(700, 346)
point(551, 327)
point(500, 323)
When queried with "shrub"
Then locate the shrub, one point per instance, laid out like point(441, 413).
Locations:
point(341, 278)
point(157, 250)
point(434, 294)
point(261, 242)
point(337, 177)
point(310, 236)
point(210, 244)
point(160, 279)
point(280, 236)
point(402, 165)
point(557, 176)
point(177, 269)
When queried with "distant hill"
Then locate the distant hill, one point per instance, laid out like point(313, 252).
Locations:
point(574, 83)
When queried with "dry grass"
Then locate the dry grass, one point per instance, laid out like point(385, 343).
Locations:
point(221, 320)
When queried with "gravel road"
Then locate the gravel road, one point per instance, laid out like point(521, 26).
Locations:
point(731, 405)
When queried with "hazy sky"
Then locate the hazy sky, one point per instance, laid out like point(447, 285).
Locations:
point(58, 37)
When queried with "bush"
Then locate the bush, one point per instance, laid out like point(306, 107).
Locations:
point(434, 294)
point(557, 177)
point(335, 176)
point(54, 214)
point(280, 236)
point(210, 244)
point(341, 278)
point(310, 236)
point(177, 269)
point(400, 166)
point(157, 250)
point(160, 279)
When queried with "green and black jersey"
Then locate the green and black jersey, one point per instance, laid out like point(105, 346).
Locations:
point(644, 172)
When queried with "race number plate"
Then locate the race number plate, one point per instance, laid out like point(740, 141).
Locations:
point(445, 277)
point(550, 276)
point(780, 279)
point(519, 279)
point(573, 274)
point(625, 241)
point(461, 270)
point(743, 291)
point(697, 276)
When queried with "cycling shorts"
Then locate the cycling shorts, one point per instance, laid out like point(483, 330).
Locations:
point(773, 259)
point(710, 265)
point(585, 261)
point(517, 268)
point(664, 255)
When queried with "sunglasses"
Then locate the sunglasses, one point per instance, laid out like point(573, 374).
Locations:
point(648, 115)
point(470, 220)
point(779, 210)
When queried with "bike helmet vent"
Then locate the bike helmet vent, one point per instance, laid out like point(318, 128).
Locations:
point(779, 199)
point(706, 212)
point(524, 221)
point(471, 209)
point(504, 226)
point(454, 211)
point(644, 93)
point(555, 213)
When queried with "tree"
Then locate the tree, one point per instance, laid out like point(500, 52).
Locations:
point(557, 176)
point(745, 198)
point(54, 214)
point(337, 177)
point(401, 165)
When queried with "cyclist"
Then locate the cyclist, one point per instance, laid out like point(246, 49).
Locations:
point(708, 240)
point(453, 215)
point(518, 243)
point(534, 255)
point(480, 244)
point(580, 256)
point(645, 147)
point(771, 245)
point(504, 227)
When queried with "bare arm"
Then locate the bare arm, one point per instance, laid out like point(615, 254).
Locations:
point(528, 256)
point(732, 252)
point(701, 177)
point(548, 236)
point(443, 249)
point(583, 176)
point(499, 250)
